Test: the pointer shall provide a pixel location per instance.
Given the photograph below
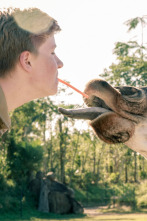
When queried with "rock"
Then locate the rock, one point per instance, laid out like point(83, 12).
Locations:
point(53, 196)
point(59, 187)
point(59, 203)
point(35, 186)
point(43, 199)
point(77, 208)
point(50, 176)
point(39, 175)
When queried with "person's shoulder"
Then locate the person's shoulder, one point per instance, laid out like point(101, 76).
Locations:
point(5, 121)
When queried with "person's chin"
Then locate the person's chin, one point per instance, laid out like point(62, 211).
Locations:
point(53, 93)
point(54, 90)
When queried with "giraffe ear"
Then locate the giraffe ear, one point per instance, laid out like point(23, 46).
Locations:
point(112, 128)
point(133, 100)
point(132, 94)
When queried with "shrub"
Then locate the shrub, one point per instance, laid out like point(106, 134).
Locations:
point(142, 195)
point(142, 201)
point(128, 196)
point(125, 194)
point(2, 183)
point(22, 158)
point(143, 175)
point(93, 194)
point(113, 178)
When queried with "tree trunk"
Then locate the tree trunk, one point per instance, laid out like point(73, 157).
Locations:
point(74, 157)
point(98, 168)
point(50, 149)
point(126, 173)
point(143, 164)
point(135, 167)
point(94, 159)
point(62, 153)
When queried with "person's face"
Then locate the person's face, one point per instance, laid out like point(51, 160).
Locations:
point(45, 69)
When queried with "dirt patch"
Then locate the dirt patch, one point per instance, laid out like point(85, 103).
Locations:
point(93, 211)
point(105, 210)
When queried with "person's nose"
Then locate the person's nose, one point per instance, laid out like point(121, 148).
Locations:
point(59, 63)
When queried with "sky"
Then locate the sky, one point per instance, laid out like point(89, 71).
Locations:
point(90, 29)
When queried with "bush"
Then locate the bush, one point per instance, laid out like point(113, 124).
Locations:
point(14, 197)
point(113, 178)
point(93, 194)
point(9, 199)
point(9, 203)
point(125, 194)
point(128, 197)
point(2, 183)
point(143, 175)
point(22, 158)
point(142, 201)
point(142, 195)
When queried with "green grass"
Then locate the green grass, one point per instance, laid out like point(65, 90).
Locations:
point(114, 217)
point(102, 213)
point(91, 198)
point(36, 216)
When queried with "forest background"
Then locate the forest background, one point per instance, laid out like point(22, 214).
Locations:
point(41, 139)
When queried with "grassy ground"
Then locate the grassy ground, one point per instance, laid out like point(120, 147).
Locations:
point(90, 214)
point(92, 196)
point(112, 217)
point(129, 217)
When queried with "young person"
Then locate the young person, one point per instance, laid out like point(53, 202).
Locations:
point(28, 63)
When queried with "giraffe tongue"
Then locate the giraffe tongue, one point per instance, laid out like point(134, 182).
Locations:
point(88, 113)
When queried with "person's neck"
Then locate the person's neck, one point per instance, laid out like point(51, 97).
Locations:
point(16, 90)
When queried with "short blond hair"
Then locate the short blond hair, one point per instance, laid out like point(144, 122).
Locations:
point(22, 30)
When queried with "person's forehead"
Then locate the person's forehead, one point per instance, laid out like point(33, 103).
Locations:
point(49, 43)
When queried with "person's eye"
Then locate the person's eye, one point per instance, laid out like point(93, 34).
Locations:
point(53, 53)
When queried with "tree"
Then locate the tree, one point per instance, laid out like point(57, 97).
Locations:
point(131, 66)
point(133, 23)
point(23, 158)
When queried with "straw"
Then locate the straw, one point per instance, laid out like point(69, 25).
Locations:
point(69, 85)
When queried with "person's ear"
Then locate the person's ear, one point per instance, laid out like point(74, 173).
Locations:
point(25, 60)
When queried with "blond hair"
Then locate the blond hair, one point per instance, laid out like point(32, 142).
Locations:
point(22, 30)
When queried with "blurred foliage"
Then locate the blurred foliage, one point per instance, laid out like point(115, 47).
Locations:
point(131, 59)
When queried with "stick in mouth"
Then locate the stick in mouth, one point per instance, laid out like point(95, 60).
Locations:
point(69, 85)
